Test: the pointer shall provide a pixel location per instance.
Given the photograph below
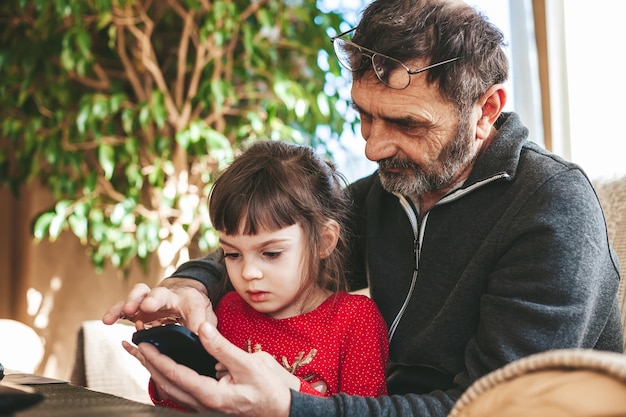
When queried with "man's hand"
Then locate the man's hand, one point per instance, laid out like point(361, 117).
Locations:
point(175, 299)
point(255, 384)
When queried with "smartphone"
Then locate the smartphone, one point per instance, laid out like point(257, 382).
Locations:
point(180, 344)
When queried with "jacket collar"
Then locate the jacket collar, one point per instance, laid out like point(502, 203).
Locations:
point(503, 154)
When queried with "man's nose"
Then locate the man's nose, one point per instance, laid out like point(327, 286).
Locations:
point(379, 144)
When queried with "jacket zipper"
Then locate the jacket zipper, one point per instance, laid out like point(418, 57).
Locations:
point(417, 244)
point(418, 237)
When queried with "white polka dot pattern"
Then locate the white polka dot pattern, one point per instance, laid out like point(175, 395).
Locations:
point(346, 333)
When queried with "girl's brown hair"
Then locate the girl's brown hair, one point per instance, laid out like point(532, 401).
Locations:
point(275, 184)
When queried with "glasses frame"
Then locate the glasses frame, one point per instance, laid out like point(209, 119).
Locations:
point(371, 54)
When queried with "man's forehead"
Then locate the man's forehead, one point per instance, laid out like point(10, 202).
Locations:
point(370, 92)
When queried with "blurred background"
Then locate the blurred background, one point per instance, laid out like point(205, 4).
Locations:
point(116, 115)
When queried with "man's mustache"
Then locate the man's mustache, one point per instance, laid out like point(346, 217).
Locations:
point(398, 163)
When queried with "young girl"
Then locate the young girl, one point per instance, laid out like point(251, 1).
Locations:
point(280, 213)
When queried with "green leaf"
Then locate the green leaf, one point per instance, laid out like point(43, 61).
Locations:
point(159, 114)
point(196, 130)
point(62, 207)
point(100, 107)
point(121, 214)
point(81, 119)
point(127, 120)
point(133, 173)
point(104, 19)
point(42, 224)
point(183, 138)
point(83, 42)
point(56, 226)
point(90, 183)
point(217, 94)
point(86, 117)
point(115, 103)
point(216, 140)
point(106, 157)
point(144, 116)
point(67, 60)
point(79, 226)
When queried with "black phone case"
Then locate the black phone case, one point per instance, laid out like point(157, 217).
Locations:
point(180, 344)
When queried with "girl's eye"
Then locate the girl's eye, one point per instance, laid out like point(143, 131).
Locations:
point(272, 255)
point(231, 255)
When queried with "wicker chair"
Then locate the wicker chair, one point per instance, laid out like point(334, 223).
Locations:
point(558, 383)
point(612, 195)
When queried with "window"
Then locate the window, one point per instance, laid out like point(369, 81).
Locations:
point(592, 38)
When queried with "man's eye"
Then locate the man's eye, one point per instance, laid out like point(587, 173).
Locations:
point(406, 127)
point(364, 116)
point(411, 129)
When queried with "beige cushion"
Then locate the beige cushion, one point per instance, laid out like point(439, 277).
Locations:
point(102, 364)
point(612, 195)
point(568, 382)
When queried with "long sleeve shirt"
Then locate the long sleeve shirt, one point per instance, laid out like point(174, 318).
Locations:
point(341, 346)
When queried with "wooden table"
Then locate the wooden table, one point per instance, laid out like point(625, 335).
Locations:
point(62, 399)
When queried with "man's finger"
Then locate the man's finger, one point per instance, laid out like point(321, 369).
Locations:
point(169, 375)
point(196, 313)
point(113, 314)
point(135, 298)
point(224, 351)
point(159, 298)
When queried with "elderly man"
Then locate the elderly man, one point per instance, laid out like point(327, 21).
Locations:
point(478, 246)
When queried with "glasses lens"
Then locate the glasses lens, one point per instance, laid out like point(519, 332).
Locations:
point(345, 52)
point(391, 72)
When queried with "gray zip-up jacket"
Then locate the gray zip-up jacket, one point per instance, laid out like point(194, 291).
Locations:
point(514, 262)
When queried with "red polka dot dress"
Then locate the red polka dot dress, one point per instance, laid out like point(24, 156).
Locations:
point(341, 346)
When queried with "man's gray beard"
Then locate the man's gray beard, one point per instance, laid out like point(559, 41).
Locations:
point(454, 157)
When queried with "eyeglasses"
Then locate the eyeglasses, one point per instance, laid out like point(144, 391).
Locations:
point(384, 66)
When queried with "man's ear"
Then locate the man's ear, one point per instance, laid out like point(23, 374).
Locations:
point(491, 105)
point(330, 237)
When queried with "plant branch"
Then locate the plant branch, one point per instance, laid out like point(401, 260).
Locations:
point(189, 27)
point(115, 195)
point(131, 73)
point(148, 59)
point(102, 83)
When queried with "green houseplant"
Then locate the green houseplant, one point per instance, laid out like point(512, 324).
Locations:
point(126, 109)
